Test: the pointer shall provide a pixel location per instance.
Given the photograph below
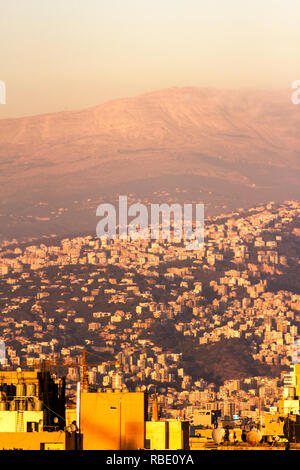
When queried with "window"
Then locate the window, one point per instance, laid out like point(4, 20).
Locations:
point(52, 446)
point(32, 426)
point(147, 443)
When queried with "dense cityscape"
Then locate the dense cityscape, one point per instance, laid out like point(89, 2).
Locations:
point(149, 229)
point(215, 328)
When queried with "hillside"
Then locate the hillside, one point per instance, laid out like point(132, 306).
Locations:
point(221, 147)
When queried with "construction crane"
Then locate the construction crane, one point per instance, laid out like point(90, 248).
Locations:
point(84, 368)
point(83, 364)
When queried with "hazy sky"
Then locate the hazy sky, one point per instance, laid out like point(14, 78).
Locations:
point(70, 54)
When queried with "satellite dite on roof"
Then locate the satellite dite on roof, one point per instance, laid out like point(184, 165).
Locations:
point(2, 352)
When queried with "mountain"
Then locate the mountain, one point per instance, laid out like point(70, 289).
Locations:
point(226, 148)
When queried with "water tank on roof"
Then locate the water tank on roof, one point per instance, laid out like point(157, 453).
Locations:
point(12, 405)
point(231, 437)
point(22, 405)
point(218, 435)
point(21, 390)
point(3, 405)
point(31, 390)
point(30, 406)
point(254, 437)
point(38, 405)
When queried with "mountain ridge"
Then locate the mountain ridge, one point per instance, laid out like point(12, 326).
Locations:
point(240, 137)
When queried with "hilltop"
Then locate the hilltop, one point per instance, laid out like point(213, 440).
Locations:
point(225, 148)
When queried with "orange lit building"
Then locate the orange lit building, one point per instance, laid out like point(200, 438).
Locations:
point(113, 421)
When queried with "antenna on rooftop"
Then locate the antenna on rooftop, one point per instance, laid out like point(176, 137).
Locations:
point(155, 416)
point(2, 352)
